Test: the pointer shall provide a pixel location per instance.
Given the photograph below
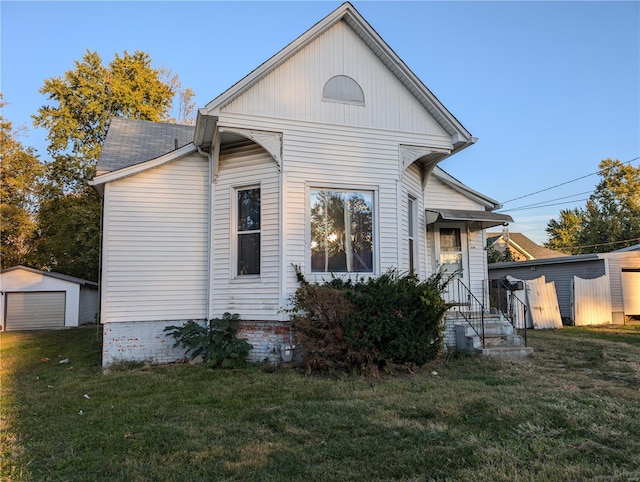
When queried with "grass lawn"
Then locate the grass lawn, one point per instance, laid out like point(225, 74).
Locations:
point(569, 412)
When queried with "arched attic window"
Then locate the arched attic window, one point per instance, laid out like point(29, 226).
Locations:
point(341, 88)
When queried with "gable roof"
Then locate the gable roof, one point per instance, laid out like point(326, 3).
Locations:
point(208, 116)
point(489, 203)
point(526, 246)
point(50, 274)
point(129, 142)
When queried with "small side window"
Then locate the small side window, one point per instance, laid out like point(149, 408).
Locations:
point(248, 231)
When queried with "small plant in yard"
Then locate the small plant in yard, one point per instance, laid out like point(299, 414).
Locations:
point(216, 341)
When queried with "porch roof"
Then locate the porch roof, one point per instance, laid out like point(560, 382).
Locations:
point(479, 219)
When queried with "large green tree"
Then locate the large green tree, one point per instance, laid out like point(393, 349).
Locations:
point(20, 176)
point(82, 101)
point(609, 221)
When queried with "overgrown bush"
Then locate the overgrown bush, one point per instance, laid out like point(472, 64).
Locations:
point(216, 342)
point(369, 324)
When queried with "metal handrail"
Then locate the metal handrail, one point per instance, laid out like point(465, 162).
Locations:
point(510, 306)
point(474, 308)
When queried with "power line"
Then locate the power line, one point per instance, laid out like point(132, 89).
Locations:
point(568, 182)
point(540, 204)
point(597, 245)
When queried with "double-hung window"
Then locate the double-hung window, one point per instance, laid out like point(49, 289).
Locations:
point(411, 215)
point(248, 231)
point(341, 231)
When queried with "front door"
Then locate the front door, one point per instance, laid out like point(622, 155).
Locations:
point(450, 253)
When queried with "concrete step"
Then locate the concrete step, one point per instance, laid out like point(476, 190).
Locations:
point(507, 351)
point(500, 339)
point(503, 340)
point(493, 328)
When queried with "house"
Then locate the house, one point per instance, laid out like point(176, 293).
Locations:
point(41, 300)
point(324, 157)
point(521, 247)
point(591, 288)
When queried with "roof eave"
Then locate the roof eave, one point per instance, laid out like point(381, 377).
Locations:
point(99, 181)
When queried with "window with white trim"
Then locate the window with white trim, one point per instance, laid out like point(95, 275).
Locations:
point(341, 231)
point(248, 231)
point(411, 219)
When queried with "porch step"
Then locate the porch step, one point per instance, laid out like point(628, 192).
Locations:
point(500, 339)
point(507, 351)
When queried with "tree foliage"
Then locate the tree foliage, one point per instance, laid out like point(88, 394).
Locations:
point(609, 221)
point(20, 182)
point(57, 225)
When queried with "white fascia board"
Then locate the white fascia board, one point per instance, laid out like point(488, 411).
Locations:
point(143, 166)
point(452, 182)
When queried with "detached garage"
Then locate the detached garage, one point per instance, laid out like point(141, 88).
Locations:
point(40, 300)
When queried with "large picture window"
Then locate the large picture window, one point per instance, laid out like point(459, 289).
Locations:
point(248, 231)
point(341, 231)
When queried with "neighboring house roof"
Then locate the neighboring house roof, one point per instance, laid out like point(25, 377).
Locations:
point(129, 142)
point(60, 276)
point(634, 247)
point(525, 246)
point(460, 137)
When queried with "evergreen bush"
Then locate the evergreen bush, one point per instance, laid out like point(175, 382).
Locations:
point(369, 324)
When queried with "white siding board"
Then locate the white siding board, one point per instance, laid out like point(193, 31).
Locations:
point(631, 292)
point(617, 261)
point(318, 155)
point(440, 195)
point(156, 243)
point(253, 298)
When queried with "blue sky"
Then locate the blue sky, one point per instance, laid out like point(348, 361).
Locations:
point(549, 88)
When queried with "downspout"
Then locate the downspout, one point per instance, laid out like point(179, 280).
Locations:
point(209, 314)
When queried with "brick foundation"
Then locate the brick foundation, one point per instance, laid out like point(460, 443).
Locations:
point(146, 341)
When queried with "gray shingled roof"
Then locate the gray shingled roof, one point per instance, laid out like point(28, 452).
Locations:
point(535, 250)
point(131, 142)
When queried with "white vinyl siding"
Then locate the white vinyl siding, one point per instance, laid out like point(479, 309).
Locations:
point(617, 261)
point(156, 244)
point(35, 310)
point(254, 297)
point(339, 157)
point(440, 195)
point(294, 90)
point(631, 291)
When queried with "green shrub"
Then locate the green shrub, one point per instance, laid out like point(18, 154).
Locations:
point(216, 342)
point(369, 324)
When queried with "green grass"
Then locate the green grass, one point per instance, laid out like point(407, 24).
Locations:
point(569, 412)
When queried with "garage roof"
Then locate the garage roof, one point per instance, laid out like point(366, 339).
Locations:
point(60, 276)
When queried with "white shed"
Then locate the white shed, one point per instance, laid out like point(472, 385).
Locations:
point(41, 300)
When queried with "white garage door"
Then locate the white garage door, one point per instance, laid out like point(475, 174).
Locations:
point(35, 310)
point(631, 291)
